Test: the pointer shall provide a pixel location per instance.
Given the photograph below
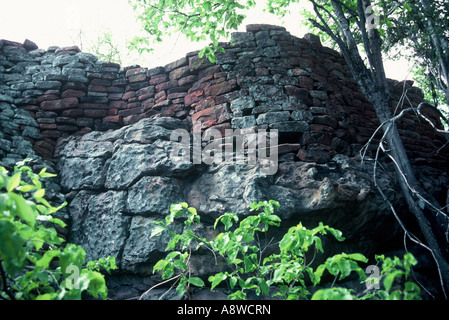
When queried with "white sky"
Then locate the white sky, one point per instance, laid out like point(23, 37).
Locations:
point(58, 23)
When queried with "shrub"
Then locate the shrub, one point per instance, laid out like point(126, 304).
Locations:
point(35, 263)
point(283, 274)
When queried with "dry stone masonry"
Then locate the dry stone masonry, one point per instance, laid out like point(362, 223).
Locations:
point(106, 130)
point(266, 79)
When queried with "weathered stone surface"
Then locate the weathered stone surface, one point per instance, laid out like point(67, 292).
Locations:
point(141, 248)
point(273, 117)
point(243, 122)
point(154, 195)
point(99, 224)
point(267, 93)
point(130, 162)
point(240, 105)
point(82, 173)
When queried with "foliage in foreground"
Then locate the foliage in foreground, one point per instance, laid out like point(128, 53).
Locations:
point(285, 274)
point(35, 263)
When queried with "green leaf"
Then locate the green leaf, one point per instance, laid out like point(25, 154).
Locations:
point(389, 279)
point(14, 181)
point(264, 286)
point(181, 288)
point(160, 265)
point(196, 281)
point(47, 296)
point(344, 267)
point(27, 188)
point(358, 257)
point(58, 222)
point(72, 255)
point(48, 256)
point(157, 231)
point(216, 279)
point(39, 193)
point(192, 211)
point(238, 295)
point(233, 282)
point(337, 234)
point(249, 264)
point(179, 264)
point(24, 210)
point(333, 294)
point(45, 174)
point(316, 276)
point(12, 250)
point(97, 285)
point(278, 274)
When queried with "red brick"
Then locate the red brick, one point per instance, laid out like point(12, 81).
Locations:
point(128, 95)
point(160, 78)
point(95, 113)
point(31, 109)
point(134, 71)
point(145, 93)
point(115, 90)
point(115, 96)
point(97, 88)
point(160, 94)
point(115, 118)
point(47, 97)
point(67, 103)
point(101, 82)
point(46, 154)
point(93, 106)
point(131, 119)
point(193, 97)
point(166, 85)
point(70, 93)
point(112, 111)
point(65, 120)
point(118, 104)
point(51, 134)
point(187, 80)
point(138, 78)
point(221, 88)
point(179, 73)
point(67, 128)
point(129, 112)
point(176, 95)
point(44, 144)
point(47, 126)
point(72, 113)
point(149, 103)
point(133, 105)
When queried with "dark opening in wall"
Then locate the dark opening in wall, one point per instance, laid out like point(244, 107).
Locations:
point(290, 137)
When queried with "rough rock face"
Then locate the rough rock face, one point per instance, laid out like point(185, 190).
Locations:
point(120, 185)
point(108, 132)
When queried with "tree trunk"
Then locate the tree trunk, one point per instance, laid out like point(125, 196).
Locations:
point(373, 84)
point(407, 181)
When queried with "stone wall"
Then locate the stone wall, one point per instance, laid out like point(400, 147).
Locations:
point(266, 79)
point(106, 132)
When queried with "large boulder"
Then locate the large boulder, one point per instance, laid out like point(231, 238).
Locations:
point(122, 182)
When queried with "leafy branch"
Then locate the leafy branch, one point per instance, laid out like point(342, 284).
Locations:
point(285, 274)
point(35, 263)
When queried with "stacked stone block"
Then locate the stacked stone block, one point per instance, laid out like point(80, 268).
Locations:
point(266, 79)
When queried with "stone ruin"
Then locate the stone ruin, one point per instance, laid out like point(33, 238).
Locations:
point(105, 130)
